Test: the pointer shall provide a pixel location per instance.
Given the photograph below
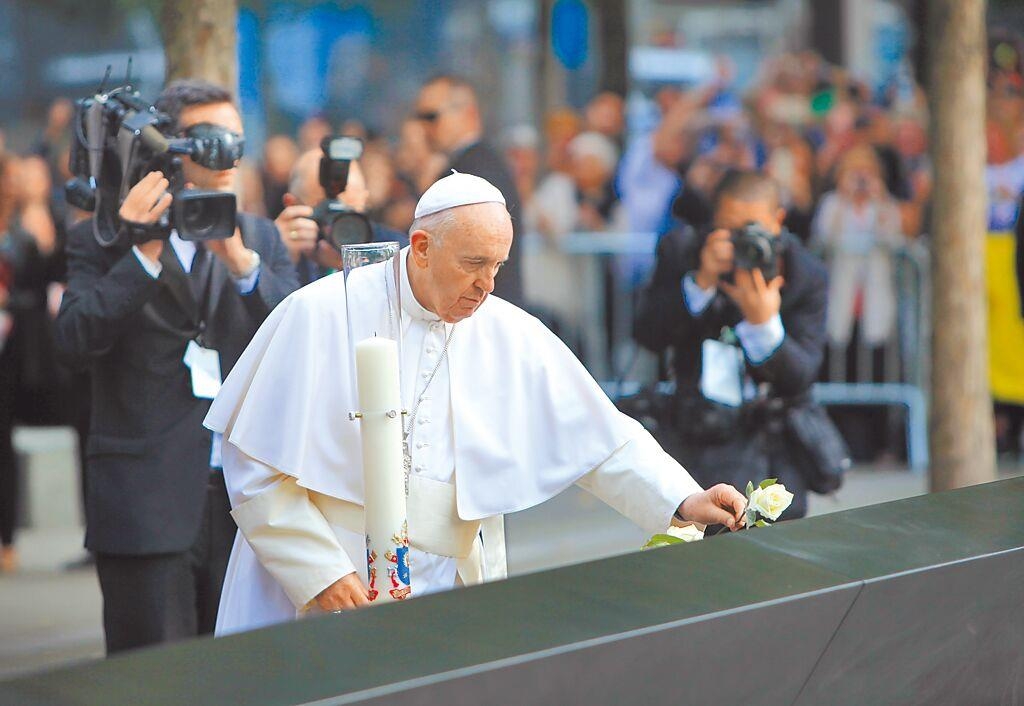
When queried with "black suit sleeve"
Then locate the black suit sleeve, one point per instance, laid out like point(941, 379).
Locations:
point(794, 365)
point(663, 317)
point(103, 292)
point(278, 277)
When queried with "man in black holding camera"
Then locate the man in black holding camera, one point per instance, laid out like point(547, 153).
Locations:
point(305, 223)
point(743, 308)
point(160, 320)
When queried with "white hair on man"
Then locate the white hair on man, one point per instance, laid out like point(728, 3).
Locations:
point(594, 144)
point(437, 224)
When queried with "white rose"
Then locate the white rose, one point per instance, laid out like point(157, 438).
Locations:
point(771, 501)
point(689, 533)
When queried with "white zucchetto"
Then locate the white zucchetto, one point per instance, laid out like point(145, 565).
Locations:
point(457, 189)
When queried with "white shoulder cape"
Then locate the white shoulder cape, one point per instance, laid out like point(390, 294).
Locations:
point(529, 420)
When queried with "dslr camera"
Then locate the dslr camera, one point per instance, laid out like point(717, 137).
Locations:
point(755, 248)
point(339, 224)
point(118, 138)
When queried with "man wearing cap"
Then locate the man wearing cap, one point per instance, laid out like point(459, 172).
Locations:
point(505, 417)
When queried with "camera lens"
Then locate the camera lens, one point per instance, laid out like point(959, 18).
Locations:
point(204, 215)
point(349, 229)
point(198, 217)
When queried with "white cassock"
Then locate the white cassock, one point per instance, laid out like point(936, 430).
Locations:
point(510, 420)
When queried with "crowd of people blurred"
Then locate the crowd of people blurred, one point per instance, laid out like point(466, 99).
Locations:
point(851, 163)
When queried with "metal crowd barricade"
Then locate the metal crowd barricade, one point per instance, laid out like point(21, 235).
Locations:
point(599, 285)
point(906, 360)
point(605, 248)
point(905, 365)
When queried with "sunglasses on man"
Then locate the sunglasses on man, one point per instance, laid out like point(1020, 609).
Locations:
point(428, 116)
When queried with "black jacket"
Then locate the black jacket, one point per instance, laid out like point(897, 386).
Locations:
point(481, 160)
point(713, 442)
point(148, 453)
point(664, 321)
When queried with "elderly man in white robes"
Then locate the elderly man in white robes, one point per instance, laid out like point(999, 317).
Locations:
point(502, 418)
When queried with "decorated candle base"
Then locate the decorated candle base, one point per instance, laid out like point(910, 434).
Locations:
point(388, 570)
point(387, 529)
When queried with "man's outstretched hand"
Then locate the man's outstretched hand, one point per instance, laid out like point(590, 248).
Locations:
point(719, 505)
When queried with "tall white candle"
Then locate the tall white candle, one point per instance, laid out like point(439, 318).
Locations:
point(380, 402)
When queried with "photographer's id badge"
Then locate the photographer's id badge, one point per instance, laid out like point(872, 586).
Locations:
point(721, 374)
point(204, 364)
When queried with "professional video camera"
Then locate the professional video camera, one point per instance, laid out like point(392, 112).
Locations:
point(339, 223)
point(756, 248)
point(117, 139)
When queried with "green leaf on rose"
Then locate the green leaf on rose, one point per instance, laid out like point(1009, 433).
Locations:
point(768, 482)
point(762, 523)
point(750, 488)
point(661, 540)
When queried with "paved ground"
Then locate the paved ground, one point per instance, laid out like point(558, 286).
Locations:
point(49, 616)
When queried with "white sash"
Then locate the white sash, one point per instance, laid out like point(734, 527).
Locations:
point(436, 528)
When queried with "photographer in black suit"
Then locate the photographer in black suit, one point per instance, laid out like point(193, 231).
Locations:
point(746, 346)
point(151, 321)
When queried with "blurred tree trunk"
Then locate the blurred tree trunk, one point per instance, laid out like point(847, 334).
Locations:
point(201, 40)
point(962, 441)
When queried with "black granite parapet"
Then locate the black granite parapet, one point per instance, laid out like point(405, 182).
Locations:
point(918, 601)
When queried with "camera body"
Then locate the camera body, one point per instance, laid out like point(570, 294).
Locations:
point(756, 248)
point(339, 224)
point(117, 139)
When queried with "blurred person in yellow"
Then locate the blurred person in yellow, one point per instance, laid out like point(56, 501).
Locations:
point(1004, 263)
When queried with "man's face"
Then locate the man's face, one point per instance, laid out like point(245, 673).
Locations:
point(459, 271)
point(733, 213)
point(605, 115)
point(413, 147)
point(589, 172)
point(306, 186)
point(223, 115)
point(440, 116)
point(305, 183)
point(355, 194)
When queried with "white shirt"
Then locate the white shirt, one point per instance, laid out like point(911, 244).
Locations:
point(185, 251)
point(759, 341)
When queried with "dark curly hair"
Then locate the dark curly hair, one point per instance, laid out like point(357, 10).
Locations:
point(185, 93)
point(747, 185)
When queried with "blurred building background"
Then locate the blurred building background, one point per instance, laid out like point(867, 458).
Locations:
point(366, 59)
